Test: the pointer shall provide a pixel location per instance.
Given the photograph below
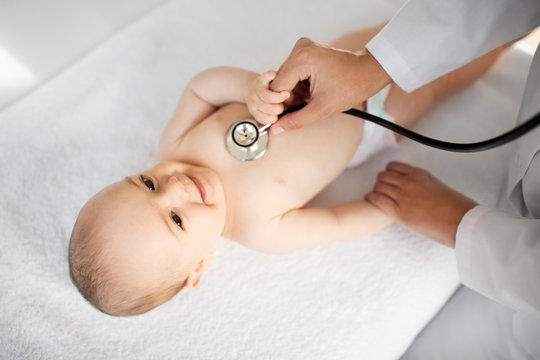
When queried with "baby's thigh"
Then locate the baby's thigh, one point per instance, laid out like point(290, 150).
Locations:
point(357, 39)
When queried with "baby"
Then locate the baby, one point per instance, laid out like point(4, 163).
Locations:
point(139, 241)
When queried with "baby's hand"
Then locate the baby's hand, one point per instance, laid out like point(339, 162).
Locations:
point(264, 104)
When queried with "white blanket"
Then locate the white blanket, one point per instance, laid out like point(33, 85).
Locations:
point(100, 120)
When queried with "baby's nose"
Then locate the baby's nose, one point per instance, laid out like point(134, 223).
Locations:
point(177, 188)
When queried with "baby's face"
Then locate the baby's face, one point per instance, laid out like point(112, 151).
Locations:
point(169, 215)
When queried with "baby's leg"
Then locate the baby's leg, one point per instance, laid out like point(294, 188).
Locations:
point(356, 40)
point(408, 108)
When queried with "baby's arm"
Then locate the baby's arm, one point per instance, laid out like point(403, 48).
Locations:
point(206, 92)
point(308, 227)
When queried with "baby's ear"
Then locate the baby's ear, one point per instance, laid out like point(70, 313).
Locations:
point(198, 270)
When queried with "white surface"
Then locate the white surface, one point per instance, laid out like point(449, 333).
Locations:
point(470, 326)
point(39, 38)
point(101, 119)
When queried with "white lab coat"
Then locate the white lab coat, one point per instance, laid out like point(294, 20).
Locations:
point(497, 250)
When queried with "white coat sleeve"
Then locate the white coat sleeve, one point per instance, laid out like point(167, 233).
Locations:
point(498, 255)
point(429, 38)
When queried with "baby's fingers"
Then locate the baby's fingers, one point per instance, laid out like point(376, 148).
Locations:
point(265, 94)
point(270, 109)
point(260, 109)
point(264, 118)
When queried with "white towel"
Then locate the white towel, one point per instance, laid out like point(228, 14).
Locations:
point(101, 119)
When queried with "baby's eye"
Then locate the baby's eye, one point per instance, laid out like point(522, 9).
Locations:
point(177, 220)
point(148, 183)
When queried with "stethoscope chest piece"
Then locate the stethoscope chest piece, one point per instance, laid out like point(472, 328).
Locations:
point(244, 141)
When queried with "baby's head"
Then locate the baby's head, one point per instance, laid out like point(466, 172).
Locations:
point(137, 242)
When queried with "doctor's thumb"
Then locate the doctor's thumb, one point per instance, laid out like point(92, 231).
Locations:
point(295, 120)
point(289, 75)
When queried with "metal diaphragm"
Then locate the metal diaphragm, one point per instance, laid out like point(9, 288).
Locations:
point(244, 141)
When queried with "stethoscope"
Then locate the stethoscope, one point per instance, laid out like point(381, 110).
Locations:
point(246, 140)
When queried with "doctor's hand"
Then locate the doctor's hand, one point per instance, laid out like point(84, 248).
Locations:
point(329, 80)
point(419, 201)
point(264, 104)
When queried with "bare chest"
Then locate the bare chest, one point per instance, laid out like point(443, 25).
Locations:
point(297, 164)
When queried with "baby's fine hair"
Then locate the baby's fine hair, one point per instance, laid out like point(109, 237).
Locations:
point(95, 276)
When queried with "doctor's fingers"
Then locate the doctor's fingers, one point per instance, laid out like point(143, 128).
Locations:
point(416, 182)
point(297, 119)
point(393, 192)
point(296, 67)
point(385, 203)
point(400, 167)
point(390, 199)
point(392, 178)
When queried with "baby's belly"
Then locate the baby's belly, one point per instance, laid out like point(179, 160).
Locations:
point(297, 165)
point(316, 154)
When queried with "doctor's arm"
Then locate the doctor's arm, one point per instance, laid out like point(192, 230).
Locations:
point(424, 40)
point(498, 254)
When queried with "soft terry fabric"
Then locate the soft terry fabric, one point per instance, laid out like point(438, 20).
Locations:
point(100, 120)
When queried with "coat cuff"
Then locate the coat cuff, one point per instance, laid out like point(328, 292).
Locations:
point(465, 256)
point(393, 63)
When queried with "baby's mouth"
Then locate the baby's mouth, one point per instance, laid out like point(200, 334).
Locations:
point(199, 186)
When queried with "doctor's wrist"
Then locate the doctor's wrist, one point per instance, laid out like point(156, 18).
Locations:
point(370, 74)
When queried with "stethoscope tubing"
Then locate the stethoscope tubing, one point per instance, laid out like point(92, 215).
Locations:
point(502, 139)
point(264, 128)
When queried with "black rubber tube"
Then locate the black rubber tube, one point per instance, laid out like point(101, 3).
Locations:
point(502, 139)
